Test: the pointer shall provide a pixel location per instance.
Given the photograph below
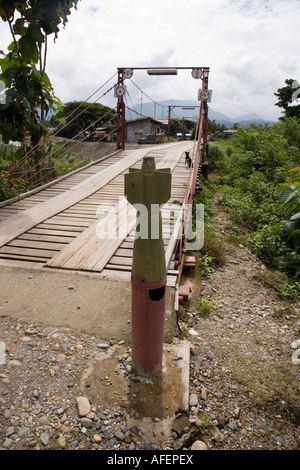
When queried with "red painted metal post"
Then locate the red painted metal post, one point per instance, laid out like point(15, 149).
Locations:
point(146, 189)
point(148, 316)
point(205, 114)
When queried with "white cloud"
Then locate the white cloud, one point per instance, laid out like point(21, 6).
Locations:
point(251, 47)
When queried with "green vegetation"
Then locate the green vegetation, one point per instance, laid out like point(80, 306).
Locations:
point(279, 281)
point(257, 180)
point(29, 93)
point(178, 126)
point(89, 116)
point(56, 162)
point(272, 386)
point(207, 266)
point(27, 156)
point(213, 251)
point(205, 306)
point(290, 198)
point(286, 95)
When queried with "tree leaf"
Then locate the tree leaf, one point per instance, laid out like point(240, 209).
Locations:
point(19, 25)
point(28, 48)
point(286, 195)
point(297, 168)
point(7, 8)
point(36, 33)
point(46, 81)
point(9, 75)
point(296, 238)
point(26, 103)
point(281, 188)
point(19, 153)
point(295, 216)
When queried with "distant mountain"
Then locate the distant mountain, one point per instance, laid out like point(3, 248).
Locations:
point(159, 110)
point(247, 117)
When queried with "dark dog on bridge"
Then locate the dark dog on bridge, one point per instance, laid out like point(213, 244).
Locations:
point(188, 160)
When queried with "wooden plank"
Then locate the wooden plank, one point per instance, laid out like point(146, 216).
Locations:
point(124, 252)
point(18, 224)
point(127, 244)
point(171, 281)
point(42, 232)
point(45, 245)
point(90, 252)
point(64, 221)
point(44, 238)
point(79, 212)
point(30, 252)
point(87, 251)
point(17, 263)
point(119, 267)
point(120, 260)
point(69, 219)
point(58, 227)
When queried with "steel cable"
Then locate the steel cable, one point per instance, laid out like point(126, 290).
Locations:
point(10, 183)
point(31, 151)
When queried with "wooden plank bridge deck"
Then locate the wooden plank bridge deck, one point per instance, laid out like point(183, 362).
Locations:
point(56, 227)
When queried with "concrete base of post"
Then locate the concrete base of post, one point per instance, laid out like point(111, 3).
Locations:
point(148, 404)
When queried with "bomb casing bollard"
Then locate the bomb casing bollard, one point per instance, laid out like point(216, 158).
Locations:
point(147, 189)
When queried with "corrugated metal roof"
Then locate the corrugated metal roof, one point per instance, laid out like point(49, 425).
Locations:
point(160, 121)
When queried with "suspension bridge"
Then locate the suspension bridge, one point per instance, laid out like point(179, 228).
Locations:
point(59, 226)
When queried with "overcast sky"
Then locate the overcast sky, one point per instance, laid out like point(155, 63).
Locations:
point(251, 47)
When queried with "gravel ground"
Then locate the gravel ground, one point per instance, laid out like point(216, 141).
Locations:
point(244, 379)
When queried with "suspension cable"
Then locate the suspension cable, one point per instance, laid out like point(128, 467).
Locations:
point(147, 95)
point(68, 150)
point(11, 183)
point(31, 151)
point(77, 154)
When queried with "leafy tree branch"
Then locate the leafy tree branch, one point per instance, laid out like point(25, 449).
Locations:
point(29, 93)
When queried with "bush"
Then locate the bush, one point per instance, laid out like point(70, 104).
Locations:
point(251, 201)
point(265, 150)
point(214, 155)
point(214, 247)
point(258, 163)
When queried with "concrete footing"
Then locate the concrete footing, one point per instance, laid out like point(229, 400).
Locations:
point(148, 403)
